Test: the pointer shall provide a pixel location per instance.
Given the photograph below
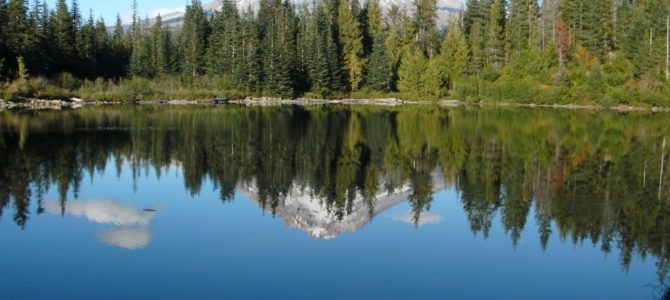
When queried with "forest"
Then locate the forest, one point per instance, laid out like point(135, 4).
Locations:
point(603, 52)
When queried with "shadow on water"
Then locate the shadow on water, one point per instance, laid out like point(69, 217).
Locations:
point(597, 176)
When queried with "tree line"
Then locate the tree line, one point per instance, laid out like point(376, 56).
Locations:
point(556, 51)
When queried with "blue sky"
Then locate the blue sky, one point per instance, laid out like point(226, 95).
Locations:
point(109, 9)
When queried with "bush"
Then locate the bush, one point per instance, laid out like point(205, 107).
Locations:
point(68, 81)
point(510, 89)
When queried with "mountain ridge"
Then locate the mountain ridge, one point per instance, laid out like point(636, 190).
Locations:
point(445, 8)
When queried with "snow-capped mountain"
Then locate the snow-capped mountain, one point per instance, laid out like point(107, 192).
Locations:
point(301, 209)
point(446, 8)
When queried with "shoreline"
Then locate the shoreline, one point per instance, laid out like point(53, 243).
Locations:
point(75, 103)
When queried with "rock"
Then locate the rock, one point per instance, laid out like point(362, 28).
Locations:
point(76, 100)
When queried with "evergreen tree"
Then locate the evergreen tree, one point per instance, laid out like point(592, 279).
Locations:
point(140, 57)
point(105, 54)
point(395, 46)
point(120, 49)
point(305, 40)
point(472, 14)
point(17, 31)
point(476, 25)
point(351, 38)
point(4, 18)
point(225, 43)
point(591, 24)
point(64, 38)
point(496, 44)
point(411, 72)
point(38, 55)
point(193, 40)
point(278, 30)
point(319, 38)
point(478, 48)
point(88, 48)
point(374, 23)
point(453, 53)
point(251, 62)
point(163, 53)
point(522, 24)
point(379, 74)
point(425, 29)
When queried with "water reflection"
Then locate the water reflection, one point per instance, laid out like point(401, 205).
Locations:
point(131, 228)
point(304, 209)
point(591, 176)
point(101, 211)
point(426, 218)
point(127, 237)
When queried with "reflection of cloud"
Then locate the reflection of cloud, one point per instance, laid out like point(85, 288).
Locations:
point(102, 211)
point(426, 218)
point(127, 237)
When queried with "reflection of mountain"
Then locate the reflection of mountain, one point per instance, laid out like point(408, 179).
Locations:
point(303, 210)
point(131, 225)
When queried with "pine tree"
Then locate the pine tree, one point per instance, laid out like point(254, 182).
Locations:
point(317, 38)
point(142, 59)
point(120, 49)
point(395, 46)
point(64, 38)
point(379, 74)
point(374, 23)
point(37, 56)
point(278, 30)
point(351, 38)
point(17, 31)
point(522, 24)
point(478, 53)
point(193, 39)
point(591, 23)
point(224, 43)
point(105, 53)
point(251, 64)
point(496, 44)
point(306, 38)
point(472, 13)
point(3, 37)
point(453, 53)
point(476, 26)
point(162, 48)
point(88, 48)
point(411, 72)
point(425, 29)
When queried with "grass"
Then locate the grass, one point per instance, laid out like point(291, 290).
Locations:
point(644, 92)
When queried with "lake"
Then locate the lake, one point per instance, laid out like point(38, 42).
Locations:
point(334, 202)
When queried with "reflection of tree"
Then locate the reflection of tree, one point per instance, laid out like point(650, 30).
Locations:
point(588, 176)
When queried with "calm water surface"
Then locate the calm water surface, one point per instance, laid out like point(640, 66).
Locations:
point(334, 203)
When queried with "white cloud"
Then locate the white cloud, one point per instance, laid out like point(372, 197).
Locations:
point(126, 237)
point(102, 211)
point(126, 17)
point(426, 218)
